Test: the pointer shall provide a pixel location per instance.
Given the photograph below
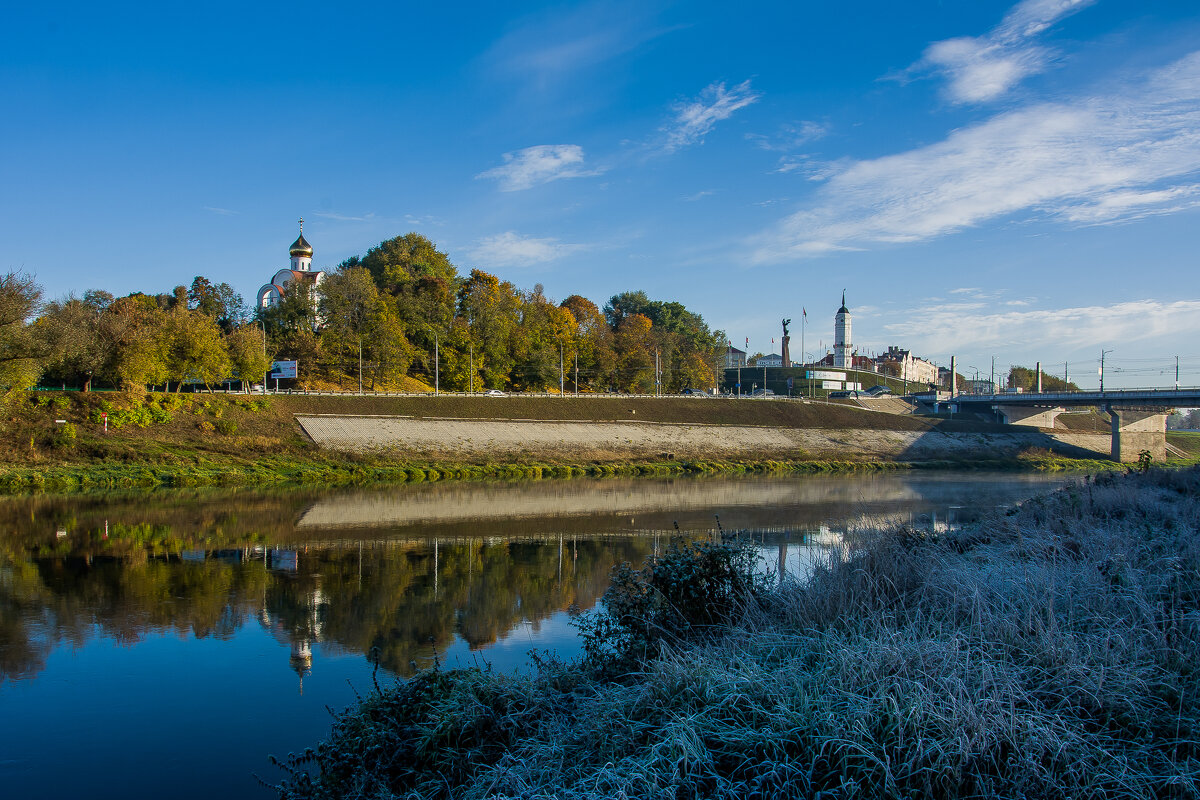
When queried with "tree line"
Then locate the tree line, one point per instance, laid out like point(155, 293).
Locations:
point(400, 310)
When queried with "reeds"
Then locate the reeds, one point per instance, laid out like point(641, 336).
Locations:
point(1048, 653)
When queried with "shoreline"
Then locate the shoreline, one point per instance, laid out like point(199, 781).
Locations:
point(1048, 648)
point(293, 472)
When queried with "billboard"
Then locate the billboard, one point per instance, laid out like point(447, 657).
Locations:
point(283, 369)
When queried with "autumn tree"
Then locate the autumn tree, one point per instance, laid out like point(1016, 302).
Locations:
point(195, 348)
point(349, 308)
point(20, 350)
point(220, 302)
point(593, 341)
point(247, 346)
point(489, 307)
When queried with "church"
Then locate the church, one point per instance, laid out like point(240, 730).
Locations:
point(301, 270)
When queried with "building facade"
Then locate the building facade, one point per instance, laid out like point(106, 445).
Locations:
point(903, 364)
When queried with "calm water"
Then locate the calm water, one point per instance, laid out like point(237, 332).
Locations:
point(163, 644)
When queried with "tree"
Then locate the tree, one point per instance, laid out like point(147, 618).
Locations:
point(247, 346)
point(350, 308)
point(397, 263)
point(635, 354)
point(1026, 378)
point(21, 352)
point(141, 340)
point(593, 341)
point(219, 302)
point(195, 348)
point(490, 309)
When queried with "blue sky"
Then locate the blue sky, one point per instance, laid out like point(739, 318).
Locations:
point(987, 179)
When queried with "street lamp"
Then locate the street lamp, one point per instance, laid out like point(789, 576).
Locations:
point(1102, 354)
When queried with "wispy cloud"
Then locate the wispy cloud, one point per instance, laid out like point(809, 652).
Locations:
point(944, 329)
point(511, 249)
point(984, 68)
point(694, 119)
point(549, 50)
point(539, 164)
point(335, 216)
point(691, 198)
point(790, 136)
point(224, 212)
point(1098, 159)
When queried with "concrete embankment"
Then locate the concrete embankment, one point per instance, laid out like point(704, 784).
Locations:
point(480, 439)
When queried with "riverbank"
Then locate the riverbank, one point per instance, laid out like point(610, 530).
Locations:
point(1046, 652)
point(58, 441)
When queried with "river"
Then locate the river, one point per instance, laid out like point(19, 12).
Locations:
point(163, 644)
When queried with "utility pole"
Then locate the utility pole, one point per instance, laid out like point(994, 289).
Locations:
point(993, 374)
point(577, 372)
point(657, 375)
point(1177, 373)
point(1039, 377)
point(1066, 375)
point(472, 365)
point(1102, 354)
point(436, 367)
point(360, 363)
point(561, 392)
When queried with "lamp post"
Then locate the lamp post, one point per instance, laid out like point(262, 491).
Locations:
point(1102, 354)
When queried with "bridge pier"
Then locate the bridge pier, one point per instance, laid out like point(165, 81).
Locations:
point(1138, 429)
point(1037, 416)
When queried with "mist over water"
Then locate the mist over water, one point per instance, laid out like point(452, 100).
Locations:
point(165, 643)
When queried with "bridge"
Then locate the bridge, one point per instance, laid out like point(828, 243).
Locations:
point(1139, 416)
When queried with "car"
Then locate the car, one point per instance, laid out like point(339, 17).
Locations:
point(877, 390)
point(494, 393)
point(762, 393)
point(842, 395)
point(693, 392)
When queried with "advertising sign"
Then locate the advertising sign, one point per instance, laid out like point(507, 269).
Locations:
point(283, 369)
point(824, 375)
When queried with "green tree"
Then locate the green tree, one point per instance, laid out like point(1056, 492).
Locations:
point(247, 346)
point(350, 308)
point(195, 348)
point(490, 308)
point(220, 302)
point(21, 352)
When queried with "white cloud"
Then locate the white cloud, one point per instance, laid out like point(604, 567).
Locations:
point(984, 68)
point(1095, 160)
point(511, 249)
point(941, 330)
point(694, 119)
point(539, 164)
point(224, 212)
point(691, 198)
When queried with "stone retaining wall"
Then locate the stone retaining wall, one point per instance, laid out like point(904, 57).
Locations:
point(478, 440)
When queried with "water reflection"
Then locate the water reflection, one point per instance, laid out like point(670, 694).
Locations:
point(400, 574)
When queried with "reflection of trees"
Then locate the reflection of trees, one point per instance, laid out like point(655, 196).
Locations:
point(396, 600)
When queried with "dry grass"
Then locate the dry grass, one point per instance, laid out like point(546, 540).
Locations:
point(1046, 653)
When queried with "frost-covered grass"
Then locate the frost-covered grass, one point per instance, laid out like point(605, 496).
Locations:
point(1049, 652)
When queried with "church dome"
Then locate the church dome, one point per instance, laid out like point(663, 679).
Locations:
point(843, 309)
point(301, 248)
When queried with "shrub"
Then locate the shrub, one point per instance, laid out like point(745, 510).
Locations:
point(691, 590)
point(227, 427)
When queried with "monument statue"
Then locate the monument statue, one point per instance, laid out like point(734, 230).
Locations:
point(787, 358)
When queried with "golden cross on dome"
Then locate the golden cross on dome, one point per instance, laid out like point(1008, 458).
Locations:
point(302, 224)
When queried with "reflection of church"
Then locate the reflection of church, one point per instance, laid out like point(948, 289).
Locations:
point(300, 272)
point(296, 612)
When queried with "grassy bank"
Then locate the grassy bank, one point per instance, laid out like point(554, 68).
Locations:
point(56, 441)
point(1048, 652)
